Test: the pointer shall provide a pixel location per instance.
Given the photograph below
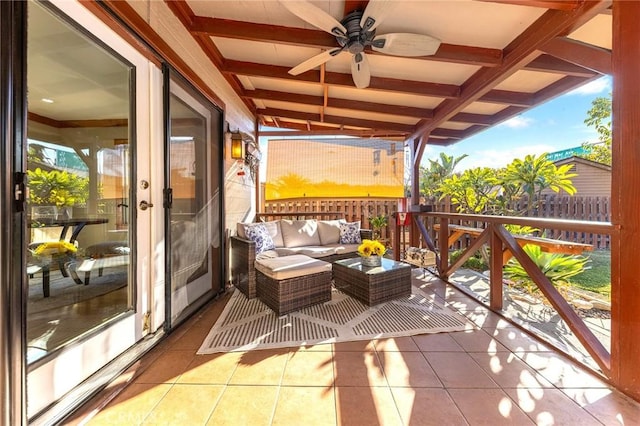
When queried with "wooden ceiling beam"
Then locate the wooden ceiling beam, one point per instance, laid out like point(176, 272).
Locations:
point(226, 28)
point(522, 50)
point(551, 64)
point(582, 54)
point(560, 87)
point(507, 97)
point(546, 4)
point(339, 79)
point(339, 103)
point(331, 119)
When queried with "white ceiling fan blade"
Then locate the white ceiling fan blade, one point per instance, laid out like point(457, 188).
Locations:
point(360, 70)
point(314, 61)
point(405, 44)
point(315, 16)
point(375, 13)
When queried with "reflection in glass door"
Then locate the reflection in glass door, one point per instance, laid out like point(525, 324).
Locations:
point(194, 213)
point(85, 132)
point(78, 168)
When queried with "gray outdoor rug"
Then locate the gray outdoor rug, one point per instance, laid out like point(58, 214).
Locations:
point(250, 324)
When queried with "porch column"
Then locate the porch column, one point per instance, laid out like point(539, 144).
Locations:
point(625, 198)
point(417, 148)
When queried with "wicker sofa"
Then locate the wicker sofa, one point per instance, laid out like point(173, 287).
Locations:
point(319, 239)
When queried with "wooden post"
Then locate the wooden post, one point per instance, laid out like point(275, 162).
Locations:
point(495, 279)
point(625, 198)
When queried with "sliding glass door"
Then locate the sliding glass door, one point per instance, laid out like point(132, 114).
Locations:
point(193, 207)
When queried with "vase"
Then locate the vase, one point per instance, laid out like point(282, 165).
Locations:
point(372, 261)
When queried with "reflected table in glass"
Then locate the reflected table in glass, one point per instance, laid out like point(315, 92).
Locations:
point(372, 285)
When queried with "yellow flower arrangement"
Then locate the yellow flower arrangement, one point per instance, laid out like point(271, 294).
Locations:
point(371, 248)
point(54, 247)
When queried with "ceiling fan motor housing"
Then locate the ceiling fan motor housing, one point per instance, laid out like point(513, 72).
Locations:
point(357, 39)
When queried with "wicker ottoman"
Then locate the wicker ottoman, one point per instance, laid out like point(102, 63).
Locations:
point(290, 283)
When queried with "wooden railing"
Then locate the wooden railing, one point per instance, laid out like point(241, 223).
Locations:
point(499, 240)
point(352, 210)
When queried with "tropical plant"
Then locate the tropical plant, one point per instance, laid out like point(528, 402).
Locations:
point(55, 187)
point(558, 268)
point(599, 116)
point(431, 178)
point(474, 191)
point(533, 175)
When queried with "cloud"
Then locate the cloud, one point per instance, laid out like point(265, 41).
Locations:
point(601, 85)
point(518, 122)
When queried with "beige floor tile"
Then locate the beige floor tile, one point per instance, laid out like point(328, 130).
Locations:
point(427, 407)
point(478, 341)
point(211, 369)
point(358, 369)
point(550, 407)
point(438, 342)
point(131, 406)
point(409, 369)
point(560, 371)
point(509, 371)
point(366, 406)
point(396, 344)
point(307, 406)
point(191, 340)
point(260, 367)
point(488, 407)
point(245, 405)
point(356, 346)
point(309, 369)
point(185, 405)
point(167, 367)
point(458, 370)
point(607, 405)
point(518, 341)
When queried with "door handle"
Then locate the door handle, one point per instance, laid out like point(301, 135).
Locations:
point(144, 205)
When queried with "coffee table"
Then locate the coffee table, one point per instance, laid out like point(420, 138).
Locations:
point(372, 285)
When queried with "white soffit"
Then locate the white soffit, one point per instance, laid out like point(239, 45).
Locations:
point(288, 86)
point(420, 69)
point(260, 52)
point(455, 125)
point(314, 109)
point(371, 116)
point(482, 24)
point(485, 108)
point(596, 32)
point(528, 81)
point(382, 97)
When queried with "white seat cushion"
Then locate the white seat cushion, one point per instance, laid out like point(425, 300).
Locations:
point(297, 265)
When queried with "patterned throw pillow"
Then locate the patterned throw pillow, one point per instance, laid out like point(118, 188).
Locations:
point(258, 234)
point(350, 233)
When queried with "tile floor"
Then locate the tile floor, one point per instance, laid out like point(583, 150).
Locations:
point(495, 374)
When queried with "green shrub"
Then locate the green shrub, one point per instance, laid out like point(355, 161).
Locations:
point(558, 268)
point(56, 187)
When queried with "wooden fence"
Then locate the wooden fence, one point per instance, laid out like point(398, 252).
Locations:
point(596, 209)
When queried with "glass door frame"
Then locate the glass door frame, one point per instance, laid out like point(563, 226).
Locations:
point(13, 107)
point(168, 74)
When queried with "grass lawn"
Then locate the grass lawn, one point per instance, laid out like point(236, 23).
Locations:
point(598, 277)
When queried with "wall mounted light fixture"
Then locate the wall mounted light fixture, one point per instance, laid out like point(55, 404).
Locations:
point(237, 146)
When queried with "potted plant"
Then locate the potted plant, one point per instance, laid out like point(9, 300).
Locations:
point(377, 223)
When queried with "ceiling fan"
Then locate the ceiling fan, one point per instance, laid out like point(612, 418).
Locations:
point(355, 33)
